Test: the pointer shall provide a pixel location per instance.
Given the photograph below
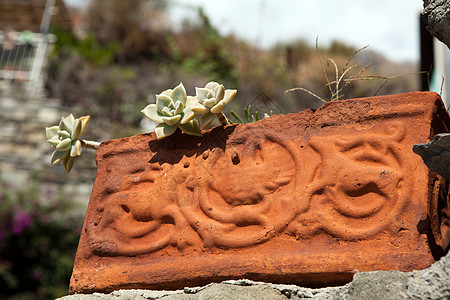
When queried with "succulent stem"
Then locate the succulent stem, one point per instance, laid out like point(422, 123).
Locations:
point(89, 144)
point(222, 118)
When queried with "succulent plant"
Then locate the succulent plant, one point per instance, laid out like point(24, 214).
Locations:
point(65, 139)
point(210, 101)
point(171, 111)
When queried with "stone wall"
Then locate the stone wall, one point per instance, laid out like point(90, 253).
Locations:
point(24, 151)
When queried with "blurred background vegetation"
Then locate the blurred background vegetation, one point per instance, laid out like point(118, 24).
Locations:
point(126, 52)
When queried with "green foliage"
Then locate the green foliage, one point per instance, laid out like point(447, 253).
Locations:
point(249, 117)
point(133, 25)
point(129, 52)
point(39, 232)
point(212, 55)
point(88, 47)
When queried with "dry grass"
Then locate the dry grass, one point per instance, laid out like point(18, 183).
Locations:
point(340, 79)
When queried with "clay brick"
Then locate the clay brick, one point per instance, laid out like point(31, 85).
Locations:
point(308, 198)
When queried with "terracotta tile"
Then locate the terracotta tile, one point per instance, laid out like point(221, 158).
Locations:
point(307, 198)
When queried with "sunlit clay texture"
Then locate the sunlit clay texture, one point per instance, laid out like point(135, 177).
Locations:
point(308, 198)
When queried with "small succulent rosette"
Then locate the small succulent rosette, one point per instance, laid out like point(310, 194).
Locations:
point(171, 111)
point(210, 101)
point(65, 139)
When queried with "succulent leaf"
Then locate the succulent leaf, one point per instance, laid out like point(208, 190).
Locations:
point(84, 121)
point(171, 110)
point(52, 131)
point(163, 130)
point(209, 102)
point(67, 123)
point(58, 156)
point(179, 107)
point(68, 163)
point(217, 108)
point(188, 115)
point(206, 119)
point(229, 94)
point(219, 92)
point(166, 111)
point(64, 145)
point(75, 150)
point(76, 129)
point(211, 85)
point(151, 112)
point(201, 93)
point(179, 94)
point(167, 92)
point(54, 141)
point(199, 109)
point(212, 98)
point(171, 121)
point(191, 128)
point(65, 139)
point(63, 134)
point(162, 101)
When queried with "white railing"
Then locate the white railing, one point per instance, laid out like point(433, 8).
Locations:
point(22, 57)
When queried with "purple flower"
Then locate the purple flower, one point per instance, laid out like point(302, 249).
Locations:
point(20, 222)
point(48, 192)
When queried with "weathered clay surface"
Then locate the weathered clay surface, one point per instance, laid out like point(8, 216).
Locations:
point(430, 283)
point(308, 198)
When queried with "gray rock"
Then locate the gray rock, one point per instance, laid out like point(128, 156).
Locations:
point(431, 283)
point(436, 154)
point(436, 13)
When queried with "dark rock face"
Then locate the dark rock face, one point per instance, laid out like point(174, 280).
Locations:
point(436, 154)
point(437, 16)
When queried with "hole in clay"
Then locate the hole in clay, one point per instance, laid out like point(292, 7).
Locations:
point(138, 170)
point(245, 223)
point(168, 220)
point(235, 159)
point(125, 208)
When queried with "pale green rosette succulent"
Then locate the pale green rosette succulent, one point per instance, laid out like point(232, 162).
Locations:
point(210, 101)
point(65, 139)
point(171, 111)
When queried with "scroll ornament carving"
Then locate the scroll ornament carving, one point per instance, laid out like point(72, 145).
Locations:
point(261, 185)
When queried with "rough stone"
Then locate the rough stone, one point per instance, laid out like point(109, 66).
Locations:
point(309, 199)
point(437, 16)
point(436, 154)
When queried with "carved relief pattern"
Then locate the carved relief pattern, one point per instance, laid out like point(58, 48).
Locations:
point(260, 185)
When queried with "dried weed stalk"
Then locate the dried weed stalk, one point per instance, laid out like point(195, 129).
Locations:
point(337, 85)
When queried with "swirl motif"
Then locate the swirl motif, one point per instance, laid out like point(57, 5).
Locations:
point(258, 186)
point(357, 186)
